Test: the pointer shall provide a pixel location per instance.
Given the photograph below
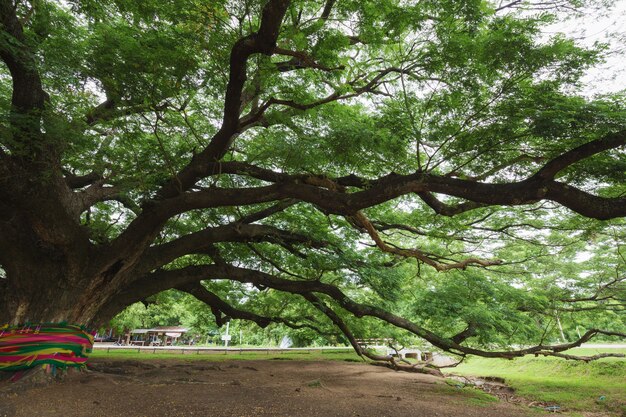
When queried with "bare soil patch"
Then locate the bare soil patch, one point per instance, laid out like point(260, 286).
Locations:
point(155, 388)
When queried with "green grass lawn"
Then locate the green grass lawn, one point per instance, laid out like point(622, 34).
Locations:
point(577, 386)
point(338, 355)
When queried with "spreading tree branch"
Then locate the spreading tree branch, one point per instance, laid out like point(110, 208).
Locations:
point(582, 358)
point(219, 306)
point(597, 296)
point(362, 221)
point(165, 279)
point(28, 94)
point(567, 159)
point(111, 109)
point(263, 41)
point(388, 360)
point(163, 254)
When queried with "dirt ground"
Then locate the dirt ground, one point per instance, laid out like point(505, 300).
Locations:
point(158, 388)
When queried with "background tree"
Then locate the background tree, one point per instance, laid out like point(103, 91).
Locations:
point(429, 165)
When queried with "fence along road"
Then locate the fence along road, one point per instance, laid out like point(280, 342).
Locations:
point(213, 350)
point(209, 350)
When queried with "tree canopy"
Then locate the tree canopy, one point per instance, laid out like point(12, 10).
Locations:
point(329, 165)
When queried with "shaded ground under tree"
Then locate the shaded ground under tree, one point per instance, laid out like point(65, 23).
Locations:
point(250, 388)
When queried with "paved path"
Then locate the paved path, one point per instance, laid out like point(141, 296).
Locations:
point(603, 346)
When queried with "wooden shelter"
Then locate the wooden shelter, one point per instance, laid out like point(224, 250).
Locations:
point(157, 336)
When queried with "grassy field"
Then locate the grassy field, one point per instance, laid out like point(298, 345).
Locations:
point(338, 355)
point(576, 386)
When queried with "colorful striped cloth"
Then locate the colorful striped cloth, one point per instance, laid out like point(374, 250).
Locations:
point(58, 344)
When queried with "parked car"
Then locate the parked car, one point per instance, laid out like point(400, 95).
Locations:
point(105, 339)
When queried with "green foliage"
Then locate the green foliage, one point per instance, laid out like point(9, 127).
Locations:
point(445, 88)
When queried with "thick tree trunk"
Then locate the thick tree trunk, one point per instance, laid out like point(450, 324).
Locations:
point(52, 305)
point(52, 300)
point(53, 290)
point(53, 272)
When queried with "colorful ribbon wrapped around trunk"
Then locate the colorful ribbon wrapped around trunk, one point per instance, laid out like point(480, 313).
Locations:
point(60, 345)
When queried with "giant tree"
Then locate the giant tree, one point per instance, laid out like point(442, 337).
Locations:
point(429, 164)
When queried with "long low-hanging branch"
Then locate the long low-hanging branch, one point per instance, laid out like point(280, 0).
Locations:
point(164, 279)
